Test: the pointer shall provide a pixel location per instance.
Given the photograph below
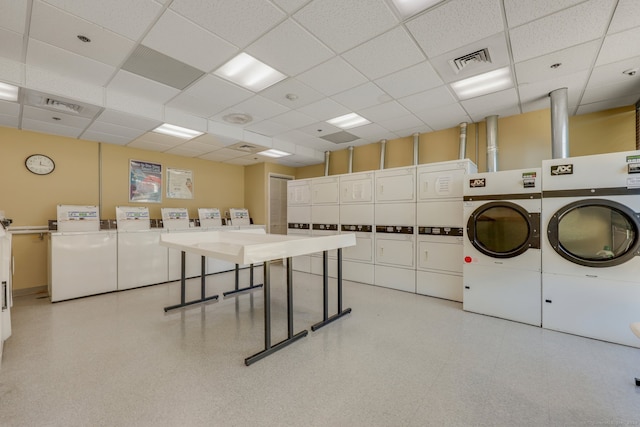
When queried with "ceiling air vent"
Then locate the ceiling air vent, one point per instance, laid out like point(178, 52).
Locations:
point(246, 147)
point(237, 118)
point(478, 57)
point(66, 107)
point(340, 137)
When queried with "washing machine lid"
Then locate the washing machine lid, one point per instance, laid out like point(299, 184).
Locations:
point(503, 229)
point(595, 233)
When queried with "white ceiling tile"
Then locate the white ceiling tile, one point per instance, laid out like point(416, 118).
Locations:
point(320, 129)
point(147, 145)
point(195, 146)
point(559, 31)
point(240, 21)
point(531, 93)
point(53, 26)
point(186, 151)
point(68, 64)
point(287, 147)
point(386, 54)
point(324, 109)
point(268, 128)
point(246, 160)
point(399, 123)
point(111, 129)
point(177, 37)
point(214, 87)
point(363, 96)
point(125, 17)
point(293, 119)
point(189, 121)
point(9, 108)
point(411, 80)
point(332, 77)
point(606, 105)
point(207, 142)
point(75, 91)
point(275, 48)
point(625, 16)
point(403, 133)
point(203, 107)
point(134, 105)
point(345, 24)
point(431, 98)
point(105, 137)
point(128, 120)
point(135, 85)
point(159, 139)
point(215, 156)
point(50, 128)
point(503, 103)
point(388, 110)
point(372, 132)
point(444, 117)
point(278, 93)
point(613, 73)
point(521, 11)
point(455, 24)
point(45, 115)
point(257, 139)
point(229, 153)
point(9, 121)
point(620, 46)
point(11, 46)
point(225, 132)
point(14, 15)
point(613, 91)
point(572, 60)
point(498, 52)
point(258, 107)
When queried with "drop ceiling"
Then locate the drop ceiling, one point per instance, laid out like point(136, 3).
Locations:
point(339, 57)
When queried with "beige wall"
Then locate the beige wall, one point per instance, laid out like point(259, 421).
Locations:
point(257, 188)
point(31, 199)
point(523, 142)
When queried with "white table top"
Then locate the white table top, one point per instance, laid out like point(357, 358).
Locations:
point(252, 246)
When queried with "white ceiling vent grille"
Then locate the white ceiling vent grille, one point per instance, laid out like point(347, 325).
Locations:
point(470, 59)
point(246, 147)
point(66, 107)
point(340, 137)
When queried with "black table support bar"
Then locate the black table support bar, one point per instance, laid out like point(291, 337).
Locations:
point(325, 284)
point(183, 286)
point(238, 290)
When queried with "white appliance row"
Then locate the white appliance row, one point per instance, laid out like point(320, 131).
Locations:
point(400, 242)
point(84, 260)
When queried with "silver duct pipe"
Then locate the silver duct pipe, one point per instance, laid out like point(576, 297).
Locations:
point(559, 123)
point(416, 145)
point(383, 148)
point(462, 152)
point(638, 125)
point(350, 160)
point(492, 143)
point(326, 162)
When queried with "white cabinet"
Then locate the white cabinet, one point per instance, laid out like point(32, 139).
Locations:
point(356, 188)
point(299, 192)
point(325, 191)
point(395, 185)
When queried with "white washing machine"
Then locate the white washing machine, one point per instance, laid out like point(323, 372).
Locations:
point(299, 217)
point(440, 226)
point(211, 220)
point(325, 218)
point(502, 257)
point(395, 218)
point(591, 246)
point(357, 216)
point(176, 220)
point(141, 259)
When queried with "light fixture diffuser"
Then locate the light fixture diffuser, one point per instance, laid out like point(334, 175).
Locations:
point(249, 73)
point(274, 153)
point(348, 121)
point(8, 92)
point(483, 84)
point(177, 131)
point(411, 7)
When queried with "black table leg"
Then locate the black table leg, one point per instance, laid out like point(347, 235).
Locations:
point(268, 348)
point(183, 285)
point(237, 288)
point(325, 283)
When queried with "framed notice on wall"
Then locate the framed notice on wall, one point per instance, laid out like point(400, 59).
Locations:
point(179, 184)
point(145, 182)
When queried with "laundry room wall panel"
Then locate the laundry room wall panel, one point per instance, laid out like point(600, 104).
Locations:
point(603, 132)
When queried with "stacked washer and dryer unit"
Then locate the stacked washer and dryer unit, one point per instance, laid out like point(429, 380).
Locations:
point(325, 219)
point(502, 257)
point(591, 249)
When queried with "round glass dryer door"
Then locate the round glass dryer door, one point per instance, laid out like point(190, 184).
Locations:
point(503, 229)
point(595, 233)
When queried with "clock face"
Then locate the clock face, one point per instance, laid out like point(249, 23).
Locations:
point(40, 164)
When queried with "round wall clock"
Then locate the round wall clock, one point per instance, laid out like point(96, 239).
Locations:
point(40, 164)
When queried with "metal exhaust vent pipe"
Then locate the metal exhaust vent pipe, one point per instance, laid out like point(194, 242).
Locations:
point(350, 160)
point(559, 123)
point(492, 143)
point(416, 146)
point(383, 148)
point(326, 162)
point(462, 153)
point(638, 125)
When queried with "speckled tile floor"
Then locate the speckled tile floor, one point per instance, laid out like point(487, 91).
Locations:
point(398, 359)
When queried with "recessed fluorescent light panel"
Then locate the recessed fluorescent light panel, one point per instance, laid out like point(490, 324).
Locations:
point(8, 92)
point(249, 73)
point(411, 7)
point(348, 121)
point(274, 153)
point(483, 84)
point(177, 131)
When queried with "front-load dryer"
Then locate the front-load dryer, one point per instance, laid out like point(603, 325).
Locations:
point(502, 260)
point(591, 245)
